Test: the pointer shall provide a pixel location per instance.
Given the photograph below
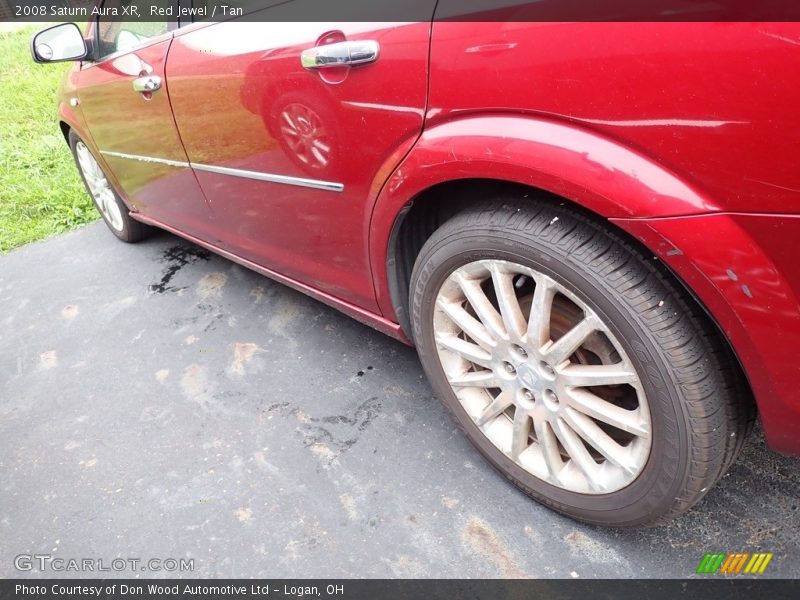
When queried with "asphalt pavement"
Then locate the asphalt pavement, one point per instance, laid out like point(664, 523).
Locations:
point(157, 401)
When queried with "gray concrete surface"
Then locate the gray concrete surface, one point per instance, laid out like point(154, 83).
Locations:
point(157, 401)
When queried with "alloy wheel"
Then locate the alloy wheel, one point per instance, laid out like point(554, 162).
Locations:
point(542, 376)
point(99, 187)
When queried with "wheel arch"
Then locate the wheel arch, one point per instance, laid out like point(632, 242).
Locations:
point(427, 211)
point(573, 164)
point(65, 127)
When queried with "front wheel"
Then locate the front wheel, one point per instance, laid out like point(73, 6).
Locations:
point(577, 367)
point(106, 199)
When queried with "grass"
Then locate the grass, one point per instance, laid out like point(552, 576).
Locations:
point(41, 193)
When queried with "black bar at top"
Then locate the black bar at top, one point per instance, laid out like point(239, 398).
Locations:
point(425, 10)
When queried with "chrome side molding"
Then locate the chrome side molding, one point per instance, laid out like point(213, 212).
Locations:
point(148, 159)
point(330, 186)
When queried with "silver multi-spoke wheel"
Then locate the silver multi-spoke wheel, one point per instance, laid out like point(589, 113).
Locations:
point(99, 187)
point(542, 376)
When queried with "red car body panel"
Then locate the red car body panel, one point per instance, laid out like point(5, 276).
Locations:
point(118, 124)
point(684, 135)
point(744, 270)
point(711, 102)
point(243, 89)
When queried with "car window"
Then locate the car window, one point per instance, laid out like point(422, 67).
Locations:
point(118, 36)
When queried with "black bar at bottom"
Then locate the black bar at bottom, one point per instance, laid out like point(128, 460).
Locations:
point(729, 588)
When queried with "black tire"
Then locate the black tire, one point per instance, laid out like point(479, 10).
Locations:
point(131, 230)
point(699, 416)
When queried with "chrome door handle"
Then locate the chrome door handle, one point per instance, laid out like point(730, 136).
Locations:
point(147, 83)
point(341, 54)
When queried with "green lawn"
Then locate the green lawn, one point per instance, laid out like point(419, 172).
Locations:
point(40, 191)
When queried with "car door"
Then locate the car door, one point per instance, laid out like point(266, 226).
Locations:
point(291, 158)
point(132, 129)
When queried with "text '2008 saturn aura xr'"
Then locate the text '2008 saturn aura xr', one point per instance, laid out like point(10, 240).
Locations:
point(588, 230)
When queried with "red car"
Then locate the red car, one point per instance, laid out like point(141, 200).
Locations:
point(588, 230)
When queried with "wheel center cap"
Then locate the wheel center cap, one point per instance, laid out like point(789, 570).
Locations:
point(529, 378)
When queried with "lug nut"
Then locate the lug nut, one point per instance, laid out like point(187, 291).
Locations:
point(510, 368)
point(521, 352)
point(551, 396)
point(528, 395)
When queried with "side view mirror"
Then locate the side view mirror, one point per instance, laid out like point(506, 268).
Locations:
point(58, 43)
